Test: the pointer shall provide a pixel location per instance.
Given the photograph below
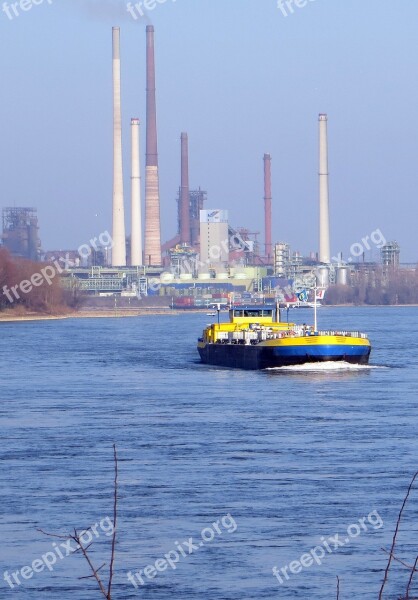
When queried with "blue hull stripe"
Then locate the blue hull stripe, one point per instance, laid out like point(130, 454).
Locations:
point(321, 351)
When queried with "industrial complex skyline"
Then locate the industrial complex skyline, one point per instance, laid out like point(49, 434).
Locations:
point(246, 87)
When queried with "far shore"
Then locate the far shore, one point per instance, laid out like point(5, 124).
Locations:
point(9, 317)
point(85, 314)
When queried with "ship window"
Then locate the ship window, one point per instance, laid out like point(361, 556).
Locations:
point(238, 313)
point(252, 313)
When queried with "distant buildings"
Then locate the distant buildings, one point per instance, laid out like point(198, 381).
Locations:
point(281, 259)
point(214, 240)
point(390, 253)
point(20, 232)
point(197, 199)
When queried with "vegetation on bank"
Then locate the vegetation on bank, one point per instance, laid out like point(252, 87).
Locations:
point(377, 288)
point(27, 286)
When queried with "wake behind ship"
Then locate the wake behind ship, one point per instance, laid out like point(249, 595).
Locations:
point(255, 338)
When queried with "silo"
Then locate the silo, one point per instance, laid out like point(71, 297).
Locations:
point(343, 275)
point(322, 276)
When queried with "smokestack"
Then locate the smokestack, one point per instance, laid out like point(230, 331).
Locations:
point(324, 234)
point(267, 206)
point(136, 233)
point(119, 248)
point(184, 192)
point(152, 193)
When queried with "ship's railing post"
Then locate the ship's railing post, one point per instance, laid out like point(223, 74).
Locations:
point(315, 311)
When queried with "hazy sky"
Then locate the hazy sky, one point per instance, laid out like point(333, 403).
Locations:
point(242, 79)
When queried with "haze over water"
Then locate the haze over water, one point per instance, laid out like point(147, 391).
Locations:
point(292, 455)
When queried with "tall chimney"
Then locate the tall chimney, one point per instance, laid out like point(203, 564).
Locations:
point(136, 233)
point(152, 193)
point(184, 192)
point(267, 206)
point(119, 248)
point(324, 235)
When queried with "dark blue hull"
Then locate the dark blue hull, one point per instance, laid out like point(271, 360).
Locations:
point(256, 357)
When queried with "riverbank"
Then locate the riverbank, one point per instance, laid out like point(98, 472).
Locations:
point(8, 317)
point(101, 313)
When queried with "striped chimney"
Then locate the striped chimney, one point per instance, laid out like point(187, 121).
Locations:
point(152, 193)
point(136, 228)
point(119, 247)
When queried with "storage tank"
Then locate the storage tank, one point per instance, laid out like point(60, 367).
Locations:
point(322, 275)
point(222, 276)
point(186, 276)
point(203, 276)
point(343, 276)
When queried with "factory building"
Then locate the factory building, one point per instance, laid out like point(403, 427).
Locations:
point(214, 240)
point(197, 199)
point(390, 253)
point(281, 259)
point(20, 232)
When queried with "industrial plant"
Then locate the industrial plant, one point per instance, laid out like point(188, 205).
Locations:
point(208, 259)
point(21, 232)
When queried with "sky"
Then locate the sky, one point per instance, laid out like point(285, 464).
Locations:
point(242, 77)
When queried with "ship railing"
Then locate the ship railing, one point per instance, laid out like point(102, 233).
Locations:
point(307, 330)
point(249, 336)
point(353, 334)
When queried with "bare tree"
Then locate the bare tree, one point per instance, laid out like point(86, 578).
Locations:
point(105, 590)
point(392, 550)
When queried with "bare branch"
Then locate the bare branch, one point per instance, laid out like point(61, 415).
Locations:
point(115, 506)
point(96, 571)
point(411, 578)
point(84, 549)
point(93, 570)
point(385, 578)
point(409, 567)
point(61, 537)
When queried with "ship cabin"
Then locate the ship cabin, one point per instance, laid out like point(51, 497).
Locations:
point(260, 314)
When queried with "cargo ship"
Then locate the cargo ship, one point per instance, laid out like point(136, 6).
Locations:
point(255, 338)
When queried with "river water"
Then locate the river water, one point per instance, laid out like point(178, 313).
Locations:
point(282, 460)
